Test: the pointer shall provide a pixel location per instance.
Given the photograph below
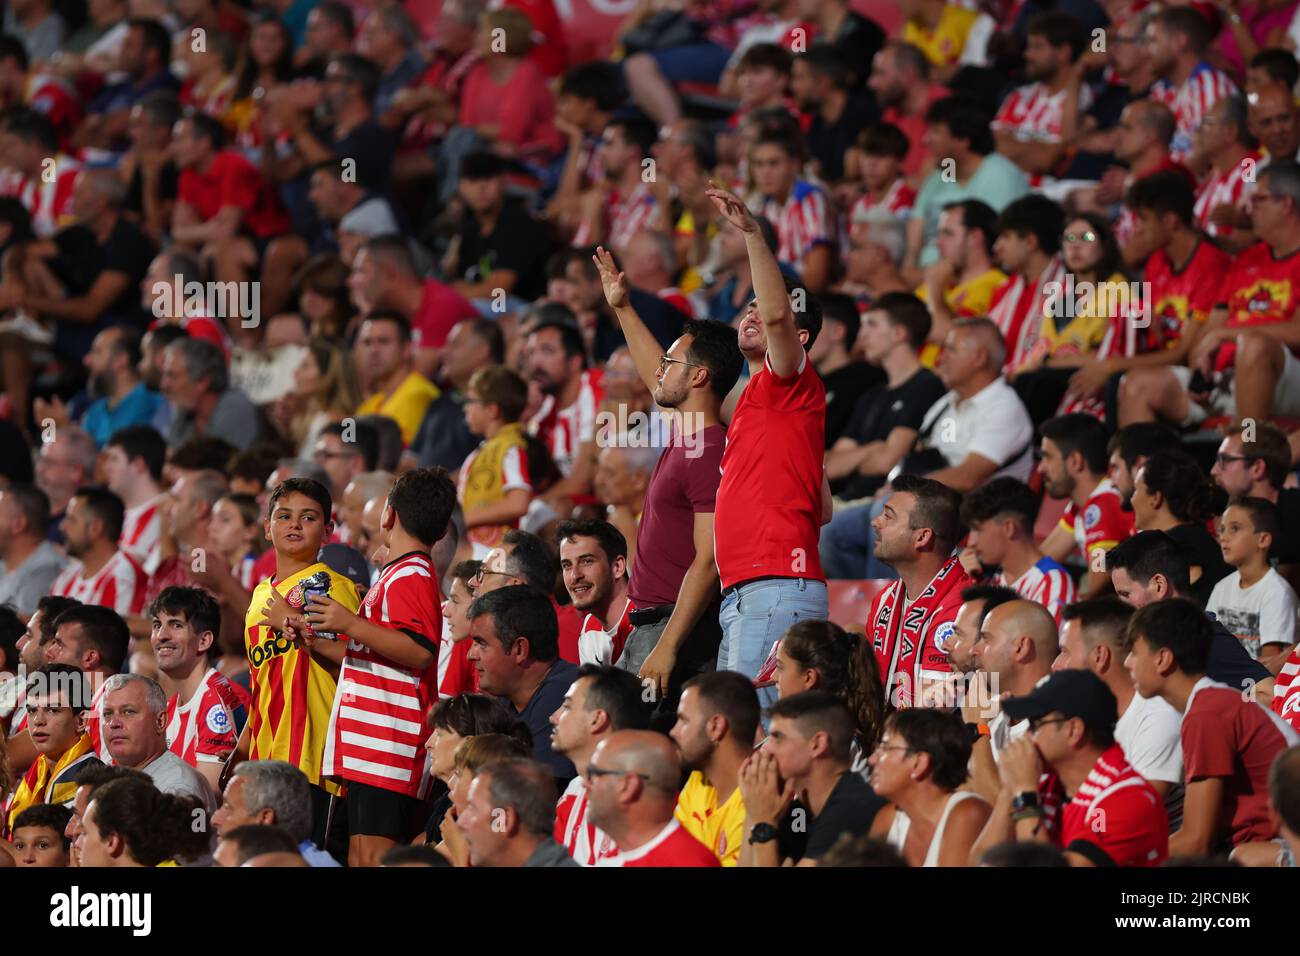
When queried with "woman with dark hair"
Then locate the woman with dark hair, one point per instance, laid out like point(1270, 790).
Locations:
point(919, 766)
point(133, 823)
point(265, 63)
point(1172, 494)
point(823, 656)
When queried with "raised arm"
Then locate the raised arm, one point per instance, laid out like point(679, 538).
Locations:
point(645, 348)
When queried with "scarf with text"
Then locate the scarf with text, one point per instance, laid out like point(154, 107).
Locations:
point(908, 640)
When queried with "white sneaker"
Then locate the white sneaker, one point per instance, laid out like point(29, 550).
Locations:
point(24, 326)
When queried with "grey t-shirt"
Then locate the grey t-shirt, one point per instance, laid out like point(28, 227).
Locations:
point(550, 853)
point(234, 419)
point(171, 774)
point(22, 587)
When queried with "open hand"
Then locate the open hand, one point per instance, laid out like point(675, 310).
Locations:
point(732, 208)
point(614, 282)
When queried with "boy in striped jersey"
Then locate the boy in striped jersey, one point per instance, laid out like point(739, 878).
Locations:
point(389, 676)
point(205, 710)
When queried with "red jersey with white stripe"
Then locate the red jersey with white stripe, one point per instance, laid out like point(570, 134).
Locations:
point(1190, 101)
point(1047, 583)
point(1286, 690)
point(1103, 523)
point(1117, 812)
point(1034, 114)
point(803, 220)
point(119, 584)
point(596, 645)
point(631, 214)
point(898, 199)
point(671, 846)
point(57, 99)
point(564, 430)
point(206, 727)
point(140, 529)
point(456, 675)
point(95, 717)
point(47, 196)
point(376, 729)
point(1228, 188)
point(586, 842)
point(1018, 308)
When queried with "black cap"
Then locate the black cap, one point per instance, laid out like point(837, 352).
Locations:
point(1073, 693)
point(348, 562)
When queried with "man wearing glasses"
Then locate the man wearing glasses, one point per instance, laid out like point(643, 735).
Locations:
point(1114, 817)
point(1258, 469)
point(346, 451)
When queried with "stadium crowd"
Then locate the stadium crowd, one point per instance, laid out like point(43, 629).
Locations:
point(774, 438)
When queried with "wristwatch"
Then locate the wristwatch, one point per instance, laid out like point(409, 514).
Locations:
point(1026, 800)
point(762, 833)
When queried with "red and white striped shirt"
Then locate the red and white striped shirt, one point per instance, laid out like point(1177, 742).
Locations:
point(627, 216)
point(140, 529)
point(585, 842)
point(376, 729)
point(564, 430)
point(47, 197)
point(1230, 188)
point(1190, 102)
point(1046, 583)
point(456, 675)
point(802, 220)
point(599, 646)
point(1286, 690)
point(206, 727)
point(898, 199)
point(1034, 114)
point(119, 584)
point(1018, 310)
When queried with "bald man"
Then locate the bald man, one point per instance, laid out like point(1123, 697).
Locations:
point(633, 780)
point(359, 491)
point(1275, 120)
point(370, 542)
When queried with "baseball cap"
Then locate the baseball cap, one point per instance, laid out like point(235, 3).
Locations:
point(349, 562)
point(1073, 693)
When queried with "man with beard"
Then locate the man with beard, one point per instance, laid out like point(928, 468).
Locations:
point(593, 560)
point(1130, 447)
point(820, 80)
point(1073, 466)
point(900, 79)
point(401, 392)
point(717, 718)
point(120, 398)
point(101, 574)
point(1259, 469)
point(1275, 119)
point(566, 422)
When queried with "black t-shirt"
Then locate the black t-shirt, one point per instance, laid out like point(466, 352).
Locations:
point(1229, 661)
point(372, 146)
point(1286, 546)
point(877, 413)
point(851, 809)
point(519, 243)
point(844, 387)
point(858, 41)
point(829, 142)
point(1203, 552)
point(81, 259)
point(168, 178)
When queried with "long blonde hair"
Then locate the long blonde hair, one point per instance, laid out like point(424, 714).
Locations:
point(342, 391)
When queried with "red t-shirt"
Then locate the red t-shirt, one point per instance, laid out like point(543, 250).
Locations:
point(521, 109)
point(1225, 736)
point(1181, 297)
point(232, 180)
point(1103, 524)
point(1260, 289)
point(673, 846)
point(1117, 812)
point(769, 506)
point(570, 621)
point(440, 309)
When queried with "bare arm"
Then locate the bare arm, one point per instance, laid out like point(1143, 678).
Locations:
point(698, 591)
point(512, 507)
point(645, 348)
point(969, 475)
point(1201, 803)
point(84, 308)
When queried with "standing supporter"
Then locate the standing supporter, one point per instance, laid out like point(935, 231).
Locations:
point(962, 281)
point(509, 817)
point(1074, 467)
point(133, 463)
point(496, 484)
point(600, 702)
point(29, 563)
point(292, 685)
point(399, 391)
point(205, 711)
point(1176, 43)
point(1254, 602)
point(1228, 742)
point(593, 563)
point(717, 718)
point(633, 778)
point(1027, 249)
point(1001, 517)
point(930, 820)
point(803, 215)
point(771, 582)
point(388, 678)
point(101, 573)
point(1094, 638)
point(515, 651)
point(674, 588)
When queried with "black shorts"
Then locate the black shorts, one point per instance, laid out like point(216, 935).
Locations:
point(373, 811)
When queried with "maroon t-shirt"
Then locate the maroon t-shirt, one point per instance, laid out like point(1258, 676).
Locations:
point(684, 483)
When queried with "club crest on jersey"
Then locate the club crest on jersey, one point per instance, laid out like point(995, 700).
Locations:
point(941, 635)
point(1091, 515)
point(218, 720)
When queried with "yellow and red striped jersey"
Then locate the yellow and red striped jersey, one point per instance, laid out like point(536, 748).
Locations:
point(292, 693)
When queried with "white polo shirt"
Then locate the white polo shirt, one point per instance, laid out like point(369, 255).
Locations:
point(992, 423)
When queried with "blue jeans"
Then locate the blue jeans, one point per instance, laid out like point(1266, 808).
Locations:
point(754, 617)
point(848, 543)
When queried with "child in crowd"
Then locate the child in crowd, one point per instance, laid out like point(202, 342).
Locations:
point(1254, 602)
point(495, 486)
point(235, 535)
point(39, 839)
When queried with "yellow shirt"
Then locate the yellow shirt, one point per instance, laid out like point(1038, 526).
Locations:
point(1082, 333)
point(966, 299)
point(943, 45)
point(292, 693)
point(406, 405)
point(720, 828)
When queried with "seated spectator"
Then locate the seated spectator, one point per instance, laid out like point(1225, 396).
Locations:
point(243, 845)
point(399, 390)
point(524, 558)
point(132, 823)
point(1283, 778)
point(1259, 470)
point(1114, 817)
point(625, 204)
point(566, 421)
point(1001, 516)
point(588, 95)
point(29, 563)
point(762, 81)
point(717, 717)
point(861, 852)
point(196, 384)
point(185, 524)
point(809, 747)
point(163, 292)
point(844, 378)
point(515, 651)
point(621, 482)
point(1275, 119)
point(901, 82)
point(62, 466)
point(593, 564)
point(133, 714)
point(976, 603)
point(873, 170)
point(1176, 43)
point(1027, 248)
point(1222, 150)
point(38, 836)
point(326, 390)
point(929, 819)
point(962, 281)
point(1254, 602)
point(101, 573)
point(1171, 494)
point(1093, 638)
point(632, 779)
point(147, 168)
point(271, 793)
point(801, 213)
point(121, 398)
point(143, 60)
point(579, 287)
point(948, 33)
point(874, 255)
point(458, 677)
point(1228, 742)
point(822, 84)
point(1129, 449)
point(510, 816)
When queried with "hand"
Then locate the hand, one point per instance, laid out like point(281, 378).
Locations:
point(453, 840)
point(1111, 188)
point(166, 506)
point(296, 629)
point(276, 612)
point(328, 616)
point(53, 409)
point(766, 800)
point(657, 667)
point(939, 276)
point(731, 208)
point(1089, 379)
point(1203, 355)
point(1020, 765)
point(971, 562)
point(614, 282)
point(1225, 214)
point(974, 706)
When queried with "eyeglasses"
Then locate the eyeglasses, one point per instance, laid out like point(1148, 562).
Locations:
point(593, 772)
point(666, 361)
point(483, 572)
point(1036, 722)
point(881, 748)
point(1223, 459)
point(1088, 236)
